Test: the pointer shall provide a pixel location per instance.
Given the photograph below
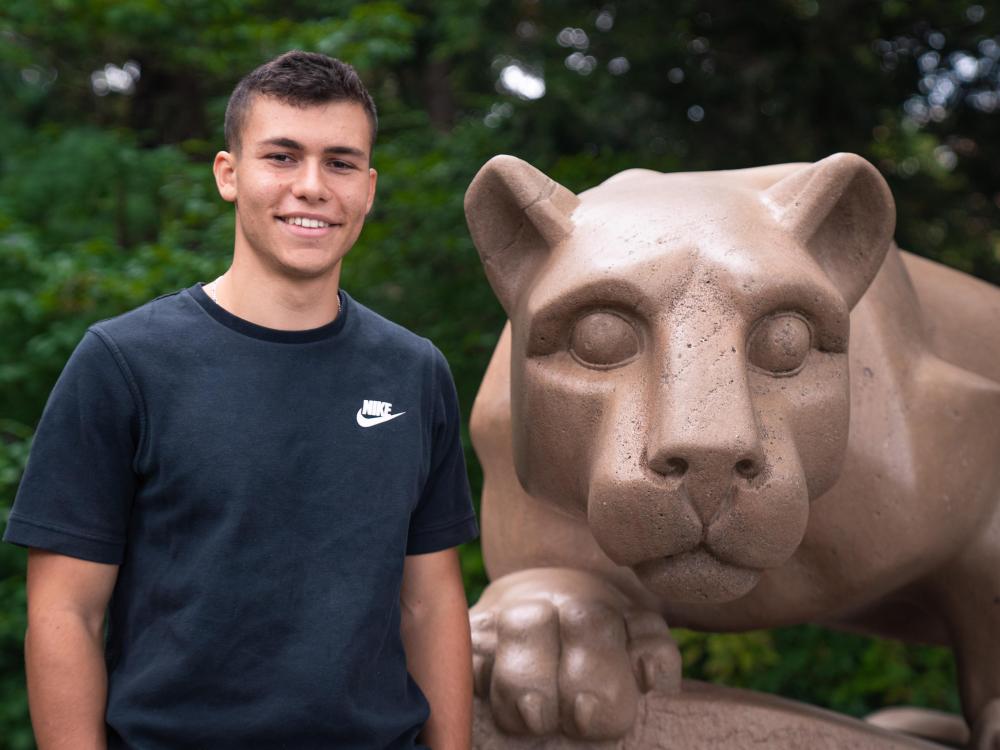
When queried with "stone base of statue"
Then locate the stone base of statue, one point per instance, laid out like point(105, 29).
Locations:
point(710, 717)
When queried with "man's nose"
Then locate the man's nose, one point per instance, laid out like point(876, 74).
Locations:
point(310, 182)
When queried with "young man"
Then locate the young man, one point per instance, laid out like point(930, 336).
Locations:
point(261, 477)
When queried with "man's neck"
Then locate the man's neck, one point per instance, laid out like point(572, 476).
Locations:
point(274, 301)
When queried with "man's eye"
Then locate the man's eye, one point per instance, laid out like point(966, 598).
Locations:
point(280, 158)
point(779, 344)
point(603, 340)
point(338, 164)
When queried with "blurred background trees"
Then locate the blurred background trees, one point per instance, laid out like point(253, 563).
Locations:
point(112, 111)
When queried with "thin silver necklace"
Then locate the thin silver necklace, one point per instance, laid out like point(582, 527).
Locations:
point(212, 293)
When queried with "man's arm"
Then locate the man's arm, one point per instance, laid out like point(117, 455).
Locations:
point(64, 650)
point(435, 631)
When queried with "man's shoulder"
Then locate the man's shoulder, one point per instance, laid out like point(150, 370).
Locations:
point(378, 331)
point(149, 323)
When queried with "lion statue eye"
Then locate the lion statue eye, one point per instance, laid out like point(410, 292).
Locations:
point(779, 344)
point(603, 340)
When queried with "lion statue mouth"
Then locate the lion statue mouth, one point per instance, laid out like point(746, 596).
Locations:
point(697, 575)
point(706, 538)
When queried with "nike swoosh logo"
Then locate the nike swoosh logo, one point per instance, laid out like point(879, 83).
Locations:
point(372, 421)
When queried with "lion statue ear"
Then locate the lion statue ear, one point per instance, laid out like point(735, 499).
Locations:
point(516, 215)
point(841, 210)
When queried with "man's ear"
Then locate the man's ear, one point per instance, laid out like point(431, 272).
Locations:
point(372, 181)
point(516, 215)
point(224, 169)
point(841, 210)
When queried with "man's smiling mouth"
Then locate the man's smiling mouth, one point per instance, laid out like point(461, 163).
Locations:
point(300, 221)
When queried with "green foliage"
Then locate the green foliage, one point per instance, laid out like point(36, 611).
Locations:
point(844, 672)
point(107, 200)
point(16, 731)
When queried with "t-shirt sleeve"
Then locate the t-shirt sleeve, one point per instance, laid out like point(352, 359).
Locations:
point(444, 516)
point(78, 485)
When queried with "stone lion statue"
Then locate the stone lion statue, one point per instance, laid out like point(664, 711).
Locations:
point(725, 401)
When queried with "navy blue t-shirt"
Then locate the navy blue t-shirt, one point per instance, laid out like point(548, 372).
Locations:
point(260, 490)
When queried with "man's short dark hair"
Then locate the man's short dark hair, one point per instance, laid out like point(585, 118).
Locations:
point(299, 78)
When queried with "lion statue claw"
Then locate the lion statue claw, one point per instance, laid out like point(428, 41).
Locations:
point(725, 401)
point(540, 636)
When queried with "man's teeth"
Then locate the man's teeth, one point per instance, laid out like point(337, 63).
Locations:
point(302, 222)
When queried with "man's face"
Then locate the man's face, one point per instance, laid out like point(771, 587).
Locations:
point(302, 184)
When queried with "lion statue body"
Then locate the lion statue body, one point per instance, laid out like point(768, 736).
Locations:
point(725, 401)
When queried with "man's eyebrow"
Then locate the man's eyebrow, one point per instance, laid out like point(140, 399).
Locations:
point(283, 143)
point(346, 151)
point(296, 146)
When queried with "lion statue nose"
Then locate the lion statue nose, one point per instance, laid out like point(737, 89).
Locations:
point(709, 473)
point(677, 466)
